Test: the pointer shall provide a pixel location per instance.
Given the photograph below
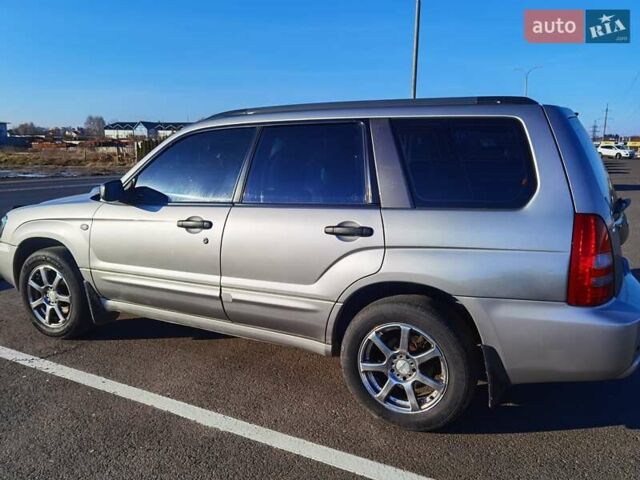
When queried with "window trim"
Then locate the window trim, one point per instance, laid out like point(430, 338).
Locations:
point(372, 198)
point(134, 176)
point(529, 146)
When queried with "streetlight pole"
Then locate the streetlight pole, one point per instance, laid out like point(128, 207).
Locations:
point(526, 77)
point(416, 39)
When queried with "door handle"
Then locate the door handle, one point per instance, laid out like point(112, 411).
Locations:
point(342, 231)
point(195, 223)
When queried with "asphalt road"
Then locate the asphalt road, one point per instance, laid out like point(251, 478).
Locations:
point(55, 428)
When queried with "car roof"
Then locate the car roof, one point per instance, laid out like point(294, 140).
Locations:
point(373, 104)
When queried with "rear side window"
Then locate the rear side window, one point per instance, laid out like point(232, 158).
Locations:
point(596, 164)
point(466, 162)
point(309, 164)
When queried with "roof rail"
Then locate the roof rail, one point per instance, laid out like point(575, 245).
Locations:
point(419, 102)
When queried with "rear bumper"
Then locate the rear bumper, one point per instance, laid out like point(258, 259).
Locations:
point(6, 262)
point(632, 368)
point(552, 341)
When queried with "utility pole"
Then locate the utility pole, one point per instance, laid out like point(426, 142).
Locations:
point(594, 131)
point(606, 117)
point(416, 41)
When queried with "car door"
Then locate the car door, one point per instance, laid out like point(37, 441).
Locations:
point(306, 226)
point(160, 247)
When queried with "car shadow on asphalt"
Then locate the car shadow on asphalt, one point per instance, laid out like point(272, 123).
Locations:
point(553, 407)
point(145, 329)
point(626, 188)
point(4, 286)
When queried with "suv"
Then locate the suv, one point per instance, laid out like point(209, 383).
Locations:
point(431, 244)
point(616, 151)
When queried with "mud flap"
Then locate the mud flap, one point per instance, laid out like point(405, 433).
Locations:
point(99, 315)
point(497, 377)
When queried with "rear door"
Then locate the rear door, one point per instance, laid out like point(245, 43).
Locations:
point(306, 226)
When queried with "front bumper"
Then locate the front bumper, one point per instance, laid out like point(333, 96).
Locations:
point(552, 341)
point(6, 262)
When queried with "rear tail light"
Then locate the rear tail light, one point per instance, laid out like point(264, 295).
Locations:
point(591, 279)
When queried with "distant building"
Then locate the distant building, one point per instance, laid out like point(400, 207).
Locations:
point(3, 132)
point(142, 129)
point(120, 129)
point(165, 129)
point(74, 133)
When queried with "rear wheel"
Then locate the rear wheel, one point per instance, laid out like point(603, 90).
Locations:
point(409, 363)
point(53, 293)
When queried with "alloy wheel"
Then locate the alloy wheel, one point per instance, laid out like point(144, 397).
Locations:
point(49, 296)
point(403, 368)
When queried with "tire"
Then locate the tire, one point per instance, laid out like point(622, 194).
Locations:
point(447, 335)
point(618, 156)
point(69, 298)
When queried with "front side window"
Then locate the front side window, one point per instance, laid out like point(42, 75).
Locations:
point(203, 167)
point(309, 164)
point(477, 162)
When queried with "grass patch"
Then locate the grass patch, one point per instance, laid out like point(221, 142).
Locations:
point(77, 161)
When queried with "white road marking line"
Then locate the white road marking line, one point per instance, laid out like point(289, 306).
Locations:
point(304, 448)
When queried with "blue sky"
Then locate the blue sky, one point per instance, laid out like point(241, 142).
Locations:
point(156, 60)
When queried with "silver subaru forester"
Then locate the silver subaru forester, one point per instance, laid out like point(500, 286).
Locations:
point(431, 243)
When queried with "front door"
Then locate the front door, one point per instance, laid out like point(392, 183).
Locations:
point(306, 228)
point(160, 247)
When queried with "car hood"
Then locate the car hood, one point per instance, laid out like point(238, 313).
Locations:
point(80, 198)
point(67, 209)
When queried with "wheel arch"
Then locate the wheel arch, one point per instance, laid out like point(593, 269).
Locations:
point(489, 360)
point(29, 246)
point(372, 292)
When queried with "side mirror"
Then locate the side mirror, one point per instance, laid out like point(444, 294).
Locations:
point(111, 191)
point(620, 205)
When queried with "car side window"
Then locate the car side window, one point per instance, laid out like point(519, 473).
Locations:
point(309, 164)
point(466, 162)
point(203, 167)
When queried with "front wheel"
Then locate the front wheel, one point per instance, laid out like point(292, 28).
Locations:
point(408, 363)
point(52, 291)
point(618, 156)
